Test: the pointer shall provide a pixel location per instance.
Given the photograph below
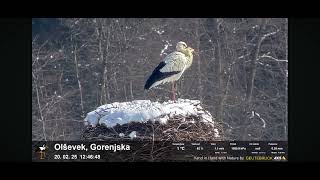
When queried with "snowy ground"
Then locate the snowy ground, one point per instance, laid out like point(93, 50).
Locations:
point(144, 110)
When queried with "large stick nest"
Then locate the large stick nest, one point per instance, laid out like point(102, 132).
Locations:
point(189, 128)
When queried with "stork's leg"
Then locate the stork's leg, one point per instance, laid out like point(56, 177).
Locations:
point(173, 91)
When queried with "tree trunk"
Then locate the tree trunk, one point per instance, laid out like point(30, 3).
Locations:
point(253, 69)
point(40, 108)
point(78, 79)
point(219, 69)
point(200, 87)
point(105, 96)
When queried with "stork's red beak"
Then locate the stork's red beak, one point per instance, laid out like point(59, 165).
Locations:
point(195, 52)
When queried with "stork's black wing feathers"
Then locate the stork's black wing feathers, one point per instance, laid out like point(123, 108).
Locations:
point(158, 76)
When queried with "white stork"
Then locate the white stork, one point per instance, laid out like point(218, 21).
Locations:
point(171, 68)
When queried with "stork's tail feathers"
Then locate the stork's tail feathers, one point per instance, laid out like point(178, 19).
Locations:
point(158, 76)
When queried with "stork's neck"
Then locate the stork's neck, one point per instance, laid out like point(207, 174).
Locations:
point(189, 56)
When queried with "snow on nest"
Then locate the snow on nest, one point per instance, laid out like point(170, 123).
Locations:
point(144, 110)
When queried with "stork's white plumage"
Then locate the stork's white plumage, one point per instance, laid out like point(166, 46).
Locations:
point(172, 67)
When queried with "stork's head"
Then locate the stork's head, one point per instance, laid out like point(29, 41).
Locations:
point(181, 46)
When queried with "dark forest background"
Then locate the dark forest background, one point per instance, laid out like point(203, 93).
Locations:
point(240, 75)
